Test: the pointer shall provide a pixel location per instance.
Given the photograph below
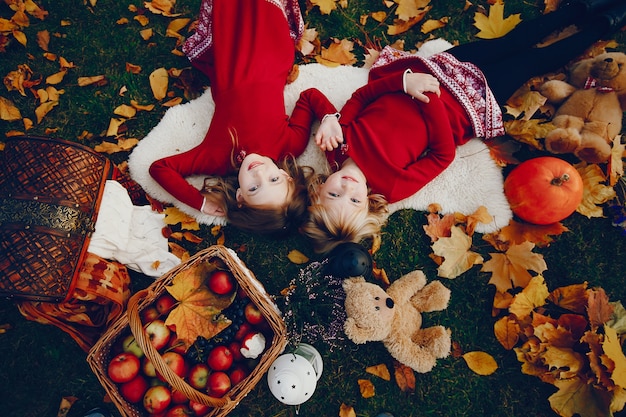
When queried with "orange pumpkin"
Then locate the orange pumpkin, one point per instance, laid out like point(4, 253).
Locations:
point(544, 190)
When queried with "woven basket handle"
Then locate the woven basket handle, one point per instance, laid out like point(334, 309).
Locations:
point(154, 356)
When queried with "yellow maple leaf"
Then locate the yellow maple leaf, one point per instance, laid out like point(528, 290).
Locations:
point(528, 131)
point(575, 397)
point(563, 360)
point(594, 191)
point(534, 295)
point(197, 311)
point(326, 6)
point(409, 9)
point(527, 103)
point(510, 269)
point(495, 25)
point(174, 216)
point(613, 349)
point(434, 24)
point(338, 53)
point(308, 42)
point(455, 251)
point(481, 363)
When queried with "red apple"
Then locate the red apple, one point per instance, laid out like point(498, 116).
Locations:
point(129, 344)
point(149, 314)
point(165, 303)
point(218, 384)
point(134, 390)
point(157, 399)
point(199, 409)
point(243, 330)
point(179, 410)
point(198, 375)
point(220, 358)
point(253, 314)
point(147, 368)
point(238, 374)
point(234, 348)
point(158, 333)
point(221, 282)
point(176, 362)
point(179, 397)
point(123, 367)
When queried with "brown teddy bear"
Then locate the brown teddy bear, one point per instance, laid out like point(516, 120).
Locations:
point(593, 102)
point(394, 317)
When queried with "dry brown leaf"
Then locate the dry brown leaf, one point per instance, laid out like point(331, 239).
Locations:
point(613, 349)
point(598, 307)
point(346, 411)
point(159, 81)
point(595, 192)
point(8, 111)
point(43, 39)
point(495, 25)
point(56, 78)
point(65, 64)
point(366, 388)
point(481, 215)
point(527, 103)
point(297, 257)
point(481, 363)
point(409, 9)
point(338, 53)
point(191, 237)
point(432, 24)
point(507, 332)
point(308, 43)
point(114, 126)
point(438, 226)
point(132, 68)
point(163, 7)
point(173, 102)
point(455, 251)
point(616, 163)
point(175, 26)
point(381, 275)
point(99, 80)
point(380, 371)
point(405, 377)
point(125, 110)
point(516, 233)
point(571, 297)
point(510, 270)
point(400, 26)
point(44, 108)
point(146, 34)
point(142, 107)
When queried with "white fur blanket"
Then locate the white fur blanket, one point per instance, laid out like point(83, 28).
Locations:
point(472, 180)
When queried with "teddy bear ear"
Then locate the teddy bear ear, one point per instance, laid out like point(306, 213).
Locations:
point(349, 282)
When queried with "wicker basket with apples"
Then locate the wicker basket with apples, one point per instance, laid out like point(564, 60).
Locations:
point(147, 365)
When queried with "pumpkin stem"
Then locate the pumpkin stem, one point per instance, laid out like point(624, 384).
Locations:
point(558, 181)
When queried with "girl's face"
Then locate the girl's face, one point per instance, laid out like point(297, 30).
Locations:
point(345, 191)
point(262, 183)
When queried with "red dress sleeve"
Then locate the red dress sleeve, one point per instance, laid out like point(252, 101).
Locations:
point(441, 152)
point(368, 93)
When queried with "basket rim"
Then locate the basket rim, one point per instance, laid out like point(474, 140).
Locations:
point(99, 353)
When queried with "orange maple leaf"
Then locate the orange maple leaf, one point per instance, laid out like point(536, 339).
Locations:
point(438, 226)
point(516, 233)
point(455, 251)
point(197, 312)
point(510, 269)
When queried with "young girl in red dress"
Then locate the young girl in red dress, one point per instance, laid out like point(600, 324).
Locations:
point(401, 129)
point(247, 49)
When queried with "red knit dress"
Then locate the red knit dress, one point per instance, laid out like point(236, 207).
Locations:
point(402, 144)
point(246, 48)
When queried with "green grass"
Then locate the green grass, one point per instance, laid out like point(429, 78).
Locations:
point(41, 364)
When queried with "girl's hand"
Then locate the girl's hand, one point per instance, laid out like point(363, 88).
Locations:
point(417, 83)
point(329, 135)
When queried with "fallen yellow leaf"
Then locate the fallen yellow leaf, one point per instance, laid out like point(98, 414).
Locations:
point(297, 257)
point(495, 25)
point(481, 363)
point(366, 388)
point(8, 111)
point(159, 80)
point(380, 371)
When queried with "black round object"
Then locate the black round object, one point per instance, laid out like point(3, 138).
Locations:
point(350, 260)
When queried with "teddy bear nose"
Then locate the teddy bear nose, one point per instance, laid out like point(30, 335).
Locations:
point(389, 302)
